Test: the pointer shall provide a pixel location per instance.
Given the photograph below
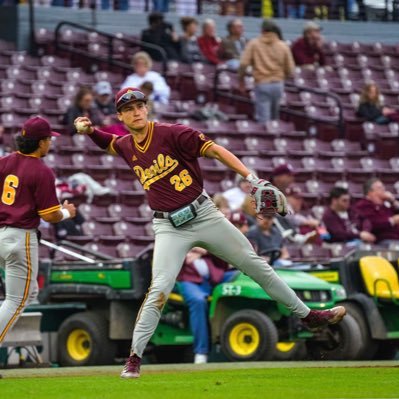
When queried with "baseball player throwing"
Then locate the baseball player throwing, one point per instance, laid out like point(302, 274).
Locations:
point(164, 157)
point(27, 193)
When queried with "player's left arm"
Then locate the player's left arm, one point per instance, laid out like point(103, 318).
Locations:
point(227, 158)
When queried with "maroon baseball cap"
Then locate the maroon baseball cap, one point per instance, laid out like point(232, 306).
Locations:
point(37, 128)
point(238, 217)
point(128, 95)
point(283, 169)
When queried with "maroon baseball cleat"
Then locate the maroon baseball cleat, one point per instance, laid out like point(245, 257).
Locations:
point(132, 367)
point(322, 318)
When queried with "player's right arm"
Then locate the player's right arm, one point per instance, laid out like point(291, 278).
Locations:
point(104, 140)
point(60, 214)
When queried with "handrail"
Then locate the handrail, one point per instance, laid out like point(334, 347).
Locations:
point(110, 40)
point(340, 123)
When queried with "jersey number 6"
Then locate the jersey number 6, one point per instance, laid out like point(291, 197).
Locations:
point(11, 182)
point(182, 180)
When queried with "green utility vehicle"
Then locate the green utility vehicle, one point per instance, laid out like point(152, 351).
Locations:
point(370, 278)
point(91, 305)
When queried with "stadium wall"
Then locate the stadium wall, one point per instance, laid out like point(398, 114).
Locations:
point(14, 24)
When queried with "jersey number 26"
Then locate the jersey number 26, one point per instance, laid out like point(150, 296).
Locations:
point(11, 182)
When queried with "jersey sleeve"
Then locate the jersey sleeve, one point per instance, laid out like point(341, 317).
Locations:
point(191, 143)
point(45, 196)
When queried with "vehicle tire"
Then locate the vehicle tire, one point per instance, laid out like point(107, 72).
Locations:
point(343, 341)
point(249, 335)
point(386, 350)
point(369, 345)
point(290, 350)
point(83, 341)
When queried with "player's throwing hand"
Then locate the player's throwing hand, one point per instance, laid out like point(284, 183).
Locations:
point(83, 125)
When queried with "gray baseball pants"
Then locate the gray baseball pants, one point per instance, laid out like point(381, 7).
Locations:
point(212, 231)
point(19, 257)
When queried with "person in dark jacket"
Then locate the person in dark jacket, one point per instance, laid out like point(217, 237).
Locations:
point(83, 105)
point(201, 271)
point(370, 107)
point(162, 34)
point(378, 212)
point(308, 49)
point(340, 219)
point(189, 48)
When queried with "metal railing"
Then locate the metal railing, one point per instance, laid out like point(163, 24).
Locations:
point(107, 38)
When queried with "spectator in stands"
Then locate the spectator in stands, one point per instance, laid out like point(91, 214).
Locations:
point(233, 45)
point(249, 210)
point(162, 34)
point(240, 221)
point(378, 212)
point(272, 63)
point(222, 204)
point(266, 237)
point(104, 101)
point(189, 47)
point(209, 43)
point(83, 105)
point(236, 195)
point(340, 219)
point(308, 49)
point(370, 107)
point(282, 177)
point(142, 65)
point(201, 271)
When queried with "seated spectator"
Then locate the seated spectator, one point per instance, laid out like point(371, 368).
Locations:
point(308, 49)
point(103, 98)
point(236, 195)
point(378, 212)
point(189, 47)
point(370, 107)
point(162, 34)
point(248, 208)
point(340, 219)
point(201, 271)
point(209, 43)
point(265, 237)
point(142, 65)
point(239, 220)
point(83, 105)
point(282, 177)
point(222, 204)
point(233, 45)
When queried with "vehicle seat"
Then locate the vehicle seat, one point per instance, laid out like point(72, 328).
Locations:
point(380, 277)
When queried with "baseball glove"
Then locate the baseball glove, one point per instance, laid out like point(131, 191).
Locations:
point(269, 200)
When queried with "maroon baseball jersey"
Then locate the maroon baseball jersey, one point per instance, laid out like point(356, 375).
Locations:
point(27, 190)
point(166, 163)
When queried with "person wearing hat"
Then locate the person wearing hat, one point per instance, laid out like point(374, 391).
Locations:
point(164, 158)
point(103, 98)
point(27, 195)
point(272, 63)
point(282, 177)
point(308, 49)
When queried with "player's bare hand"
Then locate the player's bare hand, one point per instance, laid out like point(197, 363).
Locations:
point(70, 207)
point(83, 125)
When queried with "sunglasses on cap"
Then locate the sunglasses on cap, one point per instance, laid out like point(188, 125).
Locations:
point(129, 97)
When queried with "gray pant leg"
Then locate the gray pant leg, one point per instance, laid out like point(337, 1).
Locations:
point(227, 242)
point(276, 92)
point(19, 255)
point(262, 103)
point(171, 247)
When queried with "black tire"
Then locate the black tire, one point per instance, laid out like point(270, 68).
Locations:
point(290, 350)
point(83, 341)
point(369, 345)
point(249, 335)
point(342, 341)
point(386, 350)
